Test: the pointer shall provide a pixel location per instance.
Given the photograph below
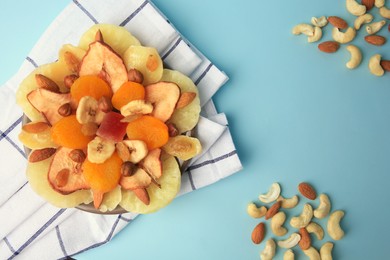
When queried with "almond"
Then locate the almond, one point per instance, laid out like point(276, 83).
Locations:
point(305, 241)
point(307, 191)
point(69, 80)
point(62, 178)
point(273, 210)
point(375, 40)
point(258, 233)
point(77, 155)
point(72, 62)
point(65, 110)
point(329, 46)
point(369, 4)
point(338, 22)
point(143, 195)
point(35, 127)
point(185, 99)
point(46, 83)
point(385, 64)
point(41, 154)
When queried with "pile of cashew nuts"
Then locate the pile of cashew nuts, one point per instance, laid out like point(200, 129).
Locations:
point(304, 223)
point(345, 35)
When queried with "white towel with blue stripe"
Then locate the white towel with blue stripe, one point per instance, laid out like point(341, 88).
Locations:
point(28, 223)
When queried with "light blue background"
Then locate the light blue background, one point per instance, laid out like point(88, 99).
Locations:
point(296, 114)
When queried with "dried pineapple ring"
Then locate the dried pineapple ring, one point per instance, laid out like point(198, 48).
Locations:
point(111, 200)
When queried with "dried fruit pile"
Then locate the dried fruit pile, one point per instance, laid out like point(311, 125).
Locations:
point(342, 33)
point(304, 223)
point(107, 124)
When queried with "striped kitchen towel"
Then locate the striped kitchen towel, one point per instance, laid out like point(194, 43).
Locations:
point(28, 223)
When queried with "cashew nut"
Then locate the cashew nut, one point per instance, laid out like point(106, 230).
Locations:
point(324, 208)
point(343, 37)
point(334, 229)
point(384, 12)
point(304, 28)
point(355, 8)
point(277, 222)
point(256, 212)
point(320, 21)
point(312, 253)
point(375, 27)
point(269, 250)
point(316, 229)
point(365, 18)
point(326, 251)
point(288, 203)
point(272, 194)
point(316, 36)
point(304, 219)
point(354, 62)
point(289, 255)
point(291, 241)
point(379, 3)
point(375, 65)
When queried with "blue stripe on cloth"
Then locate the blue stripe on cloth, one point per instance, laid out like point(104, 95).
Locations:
point(9, 245)
point(61, 241)
point(82, 8)
point(12, 127)
point(125, 219)
point(29, 59)
point(13, 144)
point(203, 74)
point(132, 15)
point(191, 180)
point(31, 239)
point(172, 48)
point(220, 158)
point(100, 243)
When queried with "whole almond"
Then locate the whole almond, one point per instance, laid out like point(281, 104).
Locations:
point(305, 241)
point(143, 195)
point(123, 151)
point(369, 4)
point(41, 154)
point(273, 210)
point(62, 178)
point(338, 22)
point(258, 233)
point(65, 110)
point(377, 40)
point(72, 62)
point(69, 80)
point(329, 46)
point(385, 64)
point(35, 127)
point(185, 99)
point(307, 191)
point(77, 155)
point(46, 83)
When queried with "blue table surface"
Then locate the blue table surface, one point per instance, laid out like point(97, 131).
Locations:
point(296, 114)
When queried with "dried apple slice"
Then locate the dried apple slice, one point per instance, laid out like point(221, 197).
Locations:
point(140, 179)
point(101, 59)
point(116, 36)
point(146, 60)
point(152, 163)
point(37, 177)
point(159, 197)
point(187, 117)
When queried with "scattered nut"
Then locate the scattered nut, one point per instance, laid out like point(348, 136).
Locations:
point(288, 203)
point(343, 37)
point(291, 241)
point(69, 80)
point(375, 27)
point(363, 19)
point(289, 255)
point(369, 4)
point(303, 28)
point(269, 250)
point(41, 154)
point(356, 57)
point(385, 64)
point(256, 212)
point(273, 210)
point(324, 207)
point(304, 219)
point(384, 12)
point(65, 110)
point(355, 8)
point(272, 194)
point(379, 3)
point(307, 190)
point(277, 222)
point(334, 229)
point(329, 46)
point(305, 241)
point(320, 21)
point(46, 83)
point(62, 178)
point(338, 22)
point(375, 66)
point(258, 233)
point(77, 155)
point(312, 253)
point(377, 40)
point(317, 35)
point(326, 251)
point(316, 229)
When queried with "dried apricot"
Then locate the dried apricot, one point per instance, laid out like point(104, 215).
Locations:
point(129, 91)
point(148, 129)
point(92, 86)
point(68, 133)
point(103, 177)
